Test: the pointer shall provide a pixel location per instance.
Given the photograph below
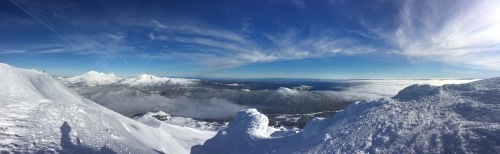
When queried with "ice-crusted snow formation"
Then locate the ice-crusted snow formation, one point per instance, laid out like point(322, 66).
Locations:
point(94, 78)
point(250, 122)
point(38, 114)
point(248, 133)
point(461, 118)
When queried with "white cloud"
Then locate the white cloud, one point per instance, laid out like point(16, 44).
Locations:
point(455, 32)
point(374, 89)
point(127, 103)
point(6, 51)
point(219, 49)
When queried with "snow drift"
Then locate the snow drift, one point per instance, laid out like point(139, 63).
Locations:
point(38, 114)
point(463, 118)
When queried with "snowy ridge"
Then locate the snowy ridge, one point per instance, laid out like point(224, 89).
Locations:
point(94, 78)
point(463, 118)
point(180, 121)
point(148, 80)
point(38, 114)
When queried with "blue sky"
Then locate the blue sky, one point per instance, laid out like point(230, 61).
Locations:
point(255, 38)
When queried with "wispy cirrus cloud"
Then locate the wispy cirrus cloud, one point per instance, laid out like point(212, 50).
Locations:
point(10, 51)
point(463, 33)
point(220, 49)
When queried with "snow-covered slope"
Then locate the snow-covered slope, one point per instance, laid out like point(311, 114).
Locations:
point(93, 78)
point(183, 121)
point(38, 114)
point(462, 118)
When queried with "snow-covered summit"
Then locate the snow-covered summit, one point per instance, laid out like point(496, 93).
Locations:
point(92, 78)
point(284, 91)
point(39, 115)
point(148, 80)
point(462, 118)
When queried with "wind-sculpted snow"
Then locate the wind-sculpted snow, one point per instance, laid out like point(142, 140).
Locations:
point(39, 115)
point(463, 118)
point(250, 122)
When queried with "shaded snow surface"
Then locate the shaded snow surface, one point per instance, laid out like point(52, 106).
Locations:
point(463, 118)
point(38, 114)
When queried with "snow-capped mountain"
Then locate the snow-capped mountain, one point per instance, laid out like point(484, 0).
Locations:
point(148, 80)
point(93, 78)
point(38, 114)
point(462, 118)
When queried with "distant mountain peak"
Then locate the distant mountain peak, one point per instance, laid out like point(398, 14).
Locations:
point(95, 78)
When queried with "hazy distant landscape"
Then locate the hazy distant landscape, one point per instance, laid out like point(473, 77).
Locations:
point(218, 99)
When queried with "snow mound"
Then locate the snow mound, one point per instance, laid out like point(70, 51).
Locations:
point(463, 118)
point(39, 115)
point(92, 78)
point(417, 91)
point(246, 134)
point(249, 121)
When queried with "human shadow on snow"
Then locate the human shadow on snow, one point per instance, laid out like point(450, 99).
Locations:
point(68, 146)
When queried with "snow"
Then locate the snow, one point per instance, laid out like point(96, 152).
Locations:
point(250, 122)
point(93, 78)
point(461, 118)
point(284, 91)
point(148, 80)
point(181, 121)
point(38, 114)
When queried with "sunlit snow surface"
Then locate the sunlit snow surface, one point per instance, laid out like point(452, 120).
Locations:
point(38, 114)
point(462, 118)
